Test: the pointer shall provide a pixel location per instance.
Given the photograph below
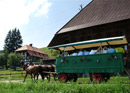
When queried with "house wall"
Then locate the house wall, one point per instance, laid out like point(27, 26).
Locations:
point(96, 32)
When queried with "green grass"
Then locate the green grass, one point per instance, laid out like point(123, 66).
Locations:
point(51, 52)
point(18, 70)
point(11, 74)
point(116, 84)
point(81, 86)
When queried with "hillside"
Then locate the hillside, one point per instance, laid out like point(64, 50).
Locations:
point(51, 52)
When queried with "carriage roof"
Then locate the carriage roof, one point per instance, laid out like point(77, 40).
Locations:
point(92, 43)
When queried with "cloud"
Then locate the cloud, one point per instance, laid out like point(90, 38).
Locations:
point(14, 13)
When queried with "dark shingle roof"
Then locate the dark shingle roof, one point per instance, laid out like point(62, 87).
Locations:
point(99, 12)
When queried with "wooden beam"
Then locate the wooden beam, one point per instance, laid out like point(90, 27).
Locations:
point(74, 47)
point(108, 44)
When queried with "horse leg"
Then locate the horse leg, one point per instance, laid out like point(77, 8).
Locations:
point(54, 75)
point(43, 77)
point(37, 76)
point(34, 77)
point(48, 77)
point(25, 77)
point(31, 76)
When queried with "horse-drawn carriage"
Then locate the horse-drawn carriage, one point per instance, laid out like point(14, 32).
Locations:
point(99, 66)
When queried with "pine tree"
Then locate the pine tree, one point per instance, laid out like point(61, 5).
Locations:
point(13, 41)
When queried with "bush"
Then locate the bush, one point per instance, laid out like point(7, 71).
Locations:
point(14, 60)
point(3, 60)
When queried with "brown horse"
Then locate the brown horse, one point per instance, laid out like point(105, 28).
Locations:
point(32, 70)
point(44, 71)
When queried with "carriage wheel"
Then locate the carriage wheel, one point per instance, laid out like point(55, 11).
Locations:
point(63, 77)
point(96, 77)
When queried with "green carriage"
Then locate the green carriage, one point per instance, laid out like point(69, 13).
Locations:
point(99, 66)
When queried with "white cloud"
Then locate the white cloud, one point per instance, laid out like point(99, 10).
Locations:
point(14, 13)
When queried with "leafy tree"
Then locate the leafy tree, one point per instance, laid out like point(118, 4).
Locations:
point(14, 60)
point(13, 41)
point(2, 59)
point(55, 52)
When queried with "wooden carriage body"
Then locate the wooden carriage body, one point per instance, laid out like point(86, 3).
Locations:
point(98, 63)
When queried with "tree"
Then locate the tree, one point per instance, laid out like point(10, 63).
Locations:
point(14, 60)
point(13, 41)
point(54, 52)
point(3, 60)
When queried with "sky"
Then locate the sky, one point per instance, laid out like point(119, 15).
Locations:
point(37, 20)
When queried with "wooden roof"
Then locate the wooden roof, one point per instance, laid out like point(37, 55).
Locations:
point(98, 12)
point(32, 51)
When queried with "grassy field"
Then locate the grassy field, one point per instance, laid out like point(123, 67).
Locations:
point(18, 70)
point(11, 74)
point(83, 85)
point(51, 52)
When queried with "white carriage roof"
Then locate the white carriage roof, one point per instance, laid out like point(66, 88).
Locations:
point(92, 43)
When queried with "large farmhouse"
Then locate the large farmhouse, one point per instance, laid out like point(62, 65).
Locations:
point(31, 55)
point(99, 19)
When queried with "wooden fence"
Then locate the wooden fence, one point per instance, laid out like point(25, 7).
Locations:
point(12, 74)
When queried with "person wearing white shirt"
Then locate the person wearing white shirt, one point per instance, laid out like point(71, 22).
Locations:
point(105, 50)
point(86, 52)
point(74, 54)
point(95, 51)
point(80, 53)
